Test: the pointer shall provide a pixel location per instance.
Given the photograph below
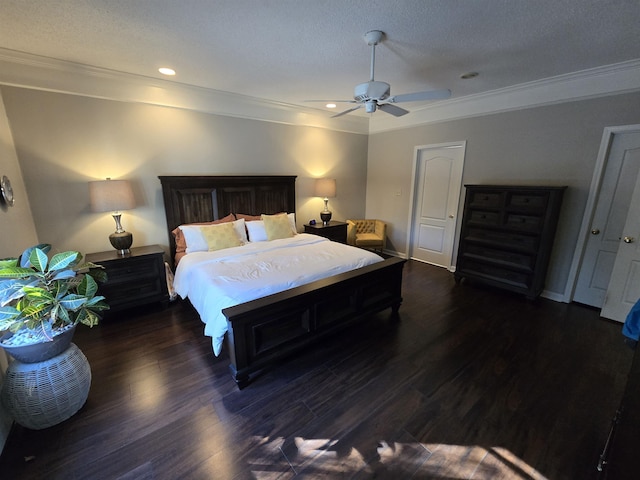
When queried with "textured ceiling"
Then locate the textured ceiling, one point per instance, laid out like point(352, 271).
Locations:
point(292, 50)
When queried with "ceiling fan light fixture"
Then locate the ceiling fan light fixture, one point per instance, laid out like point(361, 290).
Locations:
point(331, 105)
point(370, 106)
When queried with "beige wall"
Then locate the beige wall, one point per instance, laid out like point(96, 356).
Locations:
point(64, 141)
point(17, 230)
point(552, 145)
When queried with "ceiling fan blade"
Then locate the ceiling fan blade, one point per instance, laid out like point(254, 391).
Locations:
point(346, 111)
point(420, 96)
point(332, 101)
point(392, 109)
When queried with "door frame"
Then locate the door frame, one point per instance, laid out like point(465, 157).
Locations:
point(592, 201)
point(412, 193)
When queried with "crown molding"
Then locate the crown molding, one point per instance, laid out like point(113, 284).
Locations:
point(24, 70)
point(596, 82)
point(42, 73)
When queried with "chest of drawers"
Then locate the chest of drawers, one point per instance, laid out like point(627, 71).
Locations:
point(507, 234)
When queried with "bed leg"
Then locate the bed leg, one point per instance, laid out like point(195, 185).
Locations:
point(241, 379)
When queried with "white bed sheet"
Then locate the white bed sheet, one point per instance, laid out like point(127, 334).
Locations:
point(216, 280)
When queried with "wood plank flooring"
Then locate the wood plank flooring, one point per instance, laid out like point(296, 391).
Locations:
point(469, 382)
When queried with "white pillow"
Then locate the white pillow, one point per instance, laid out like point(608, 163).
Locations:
point(196, 242)
point(292, 219)
point(239, 225)
point(194, 239)
point(257, 232)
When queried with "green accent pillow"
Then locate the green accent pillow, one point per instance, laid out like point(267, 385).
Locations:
point(220, 236)
point(277, 226)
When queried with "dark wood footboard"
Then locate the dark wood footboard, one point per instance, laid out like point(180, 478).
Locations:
point(270, 328)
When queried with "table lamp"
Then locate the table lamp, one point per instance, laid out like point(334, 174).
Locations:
point(114, 196)
point(325, 187)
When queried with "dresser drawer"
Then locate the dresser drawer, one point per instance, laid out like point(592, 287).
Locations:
point(531, 201)
point(483, 217)
point(501, 257)
point(525, 223)
point(497, 274)
point(510, 240)
point(486, 199)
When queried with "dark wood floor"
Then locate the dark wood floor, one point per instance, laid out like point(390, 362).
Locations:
point(468, 383)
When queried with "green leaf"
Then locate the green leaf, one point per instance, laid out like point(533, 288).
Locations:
point(73, 301)
point(88, 318)
point(16, 272)
point(62, 260)
point(65, 274)
point(25, 258)
point(11, 290)
point(8, 262)
point(98, 274)
point(88, 286)
point(40, 294)
point(39, 259)
point(97, 303)
point(61, 314)
point(8, 313)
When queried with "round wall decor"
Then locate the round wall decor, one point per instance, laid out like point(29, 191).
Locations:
point(7, 191)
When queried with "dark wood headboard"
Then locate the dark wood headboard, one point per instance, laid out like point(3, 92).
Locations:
point(192, 199)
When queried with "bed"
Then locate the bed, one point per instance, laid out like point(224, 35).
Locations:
point(264, 330)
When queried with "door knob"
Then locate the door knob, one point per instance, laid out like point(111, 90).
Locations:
point(628, 239)
point(595, 231)
point(451, 216)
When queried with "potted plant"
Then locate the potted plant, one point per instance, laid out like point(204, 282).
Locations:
point(43, 298)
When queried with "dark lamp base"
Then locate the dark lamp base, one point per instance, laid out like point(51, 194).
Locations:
point(121, 241)
point(326, 217)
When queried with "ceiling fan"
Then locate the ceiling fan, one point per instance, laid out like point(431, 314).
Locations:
point(375, 95)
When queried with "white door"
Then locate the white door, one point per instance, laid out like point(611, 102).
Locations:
point(606, 229)
point(438, 180)
point(624, 287)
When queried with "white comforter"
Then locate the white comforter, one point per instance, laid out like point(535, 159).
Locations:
point(224, 278)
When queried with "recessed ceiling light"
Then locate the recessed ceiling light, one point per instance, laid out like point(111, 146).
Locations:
point(167, 71)
point(331, 105)
point(468, 75)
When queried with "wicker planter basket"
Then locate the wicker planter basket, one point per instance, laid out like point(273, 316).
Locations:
point(42, 394)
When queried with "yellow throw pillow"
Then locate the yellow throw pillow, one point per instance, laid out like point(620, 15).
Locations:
point(277, 226)
point(220, 236)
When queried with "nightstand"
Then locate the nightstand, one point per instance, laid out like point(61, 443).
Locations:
point(135, 279)
point(336, 231)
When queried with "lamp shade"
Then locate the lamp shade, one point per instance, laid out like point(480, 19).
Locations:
point(111, 195)
point(325, 187)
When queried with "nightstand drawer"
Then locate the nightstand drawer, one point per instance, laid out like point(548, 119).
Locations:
point(133, 270)
point(118, 294)
point(134, 279)
point(335, 231)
